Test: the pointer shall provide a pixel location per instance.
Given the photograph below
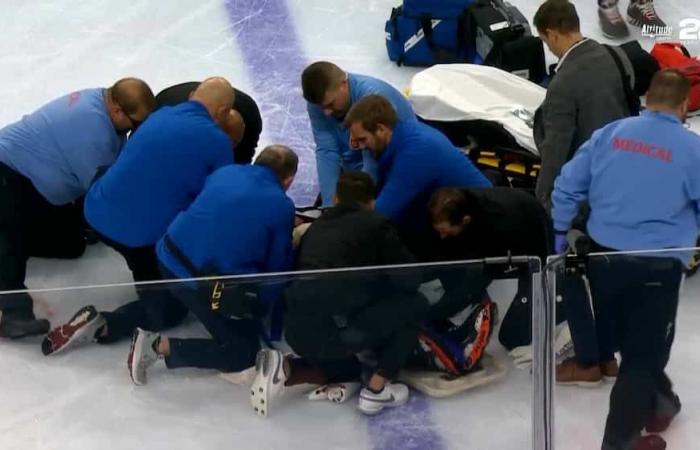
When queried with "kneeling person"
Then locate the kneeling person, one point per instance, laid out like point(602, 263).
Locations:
point(330, 319)
point(476, 223)
point(241, 223)
point(414, 160)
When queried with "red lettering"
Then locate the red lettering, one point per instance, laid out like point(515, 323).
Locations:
point(73, 98)
point(642, 148)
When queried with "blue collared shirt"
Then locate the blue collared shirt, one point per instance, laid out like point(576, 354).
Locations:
point(333, 151)
point(158, 174)
point(419, 160)
point(640, 178)
point(60, 146)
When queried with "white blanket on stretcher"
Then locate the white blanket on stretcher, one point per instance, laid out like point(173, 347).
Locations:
point(453, 92)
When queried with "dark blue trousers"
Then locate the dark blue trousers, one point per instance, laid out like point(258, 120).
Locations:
point(233, 345)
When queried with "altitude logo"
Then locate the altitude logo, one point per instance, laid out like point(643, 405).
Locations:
point(689, 31)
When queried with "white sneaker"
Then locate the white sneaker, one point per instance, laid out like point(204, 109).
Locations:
point(337, 393)
point(142, 355)
point(393, 394)
point(269, 380)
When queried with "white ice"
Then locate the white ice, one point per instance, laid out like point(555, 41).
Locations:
point(84, 398)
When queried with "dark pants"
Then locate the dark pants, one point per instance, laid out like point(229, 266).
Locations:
point(388, 328)
point(592, 336)
point(234, 343)
point(640, 295)
point(516, 326)
point(31, 226)
point(155, 310)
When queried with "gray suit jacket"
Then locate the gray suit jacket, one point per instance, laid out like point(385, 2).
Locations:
point(585, 94)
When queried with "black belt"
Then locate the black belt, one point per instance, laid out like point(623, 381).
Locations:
point(181, 258)
point(216, 291)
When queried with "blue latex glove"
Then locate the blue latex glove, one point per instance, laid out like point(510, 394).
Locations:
point(560, 243)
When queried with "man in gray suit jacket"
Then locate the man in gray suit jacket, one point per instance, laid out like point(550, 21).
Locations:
point(585, 93)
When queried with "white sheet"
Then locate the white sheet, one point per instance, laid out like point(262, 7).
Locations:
point(466, 91)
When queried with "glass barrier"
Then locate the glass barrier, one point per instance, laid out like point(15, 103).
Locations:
point(457, 333)
point(625, 329)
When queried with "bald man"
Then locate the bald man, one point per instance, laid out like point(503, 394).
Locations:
point(244, 104)
point(241, 223)
point(158, 174)
point(234, 127)
point(47, 162)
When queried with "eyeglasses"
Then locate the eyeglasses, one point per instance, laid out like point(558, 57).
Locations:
point(135, 123)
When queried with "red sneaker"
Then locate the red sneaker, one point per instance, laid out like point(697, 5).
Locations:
point(667, 408)
point(81, 328)
point(650, 442)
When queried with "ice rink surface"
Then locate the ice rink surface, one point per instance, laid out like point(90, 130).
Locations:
point(84, 398)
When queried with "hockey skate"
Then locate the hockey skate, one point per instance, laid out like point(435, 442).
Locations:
point(641, 13)
point(612, 24)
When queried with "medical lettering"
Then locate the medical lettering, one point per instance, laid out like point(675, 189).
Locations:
point(642, 148)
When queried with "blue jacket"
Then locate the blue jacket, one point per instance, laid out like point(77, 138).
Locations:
point(60, 146)
point(332, 139)
point(418, 160)
point(158, 174)
point(640, 176)
point(241, 223)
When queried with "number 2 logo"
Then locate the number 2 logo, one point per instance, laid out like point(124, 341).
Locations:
point(690, 29)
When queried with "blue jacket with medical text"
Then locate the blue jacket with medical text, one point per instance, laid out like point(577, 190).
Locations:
point(640, 176)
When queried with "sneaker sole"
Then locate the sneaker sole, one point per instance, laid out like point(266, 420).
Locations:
point(260, 389)
point(80, 336)
point(135, 354)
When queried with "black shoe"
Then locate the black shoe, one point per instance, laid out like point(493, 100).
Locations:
point(15, 328)
point(641, 13)
point(612, 24)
